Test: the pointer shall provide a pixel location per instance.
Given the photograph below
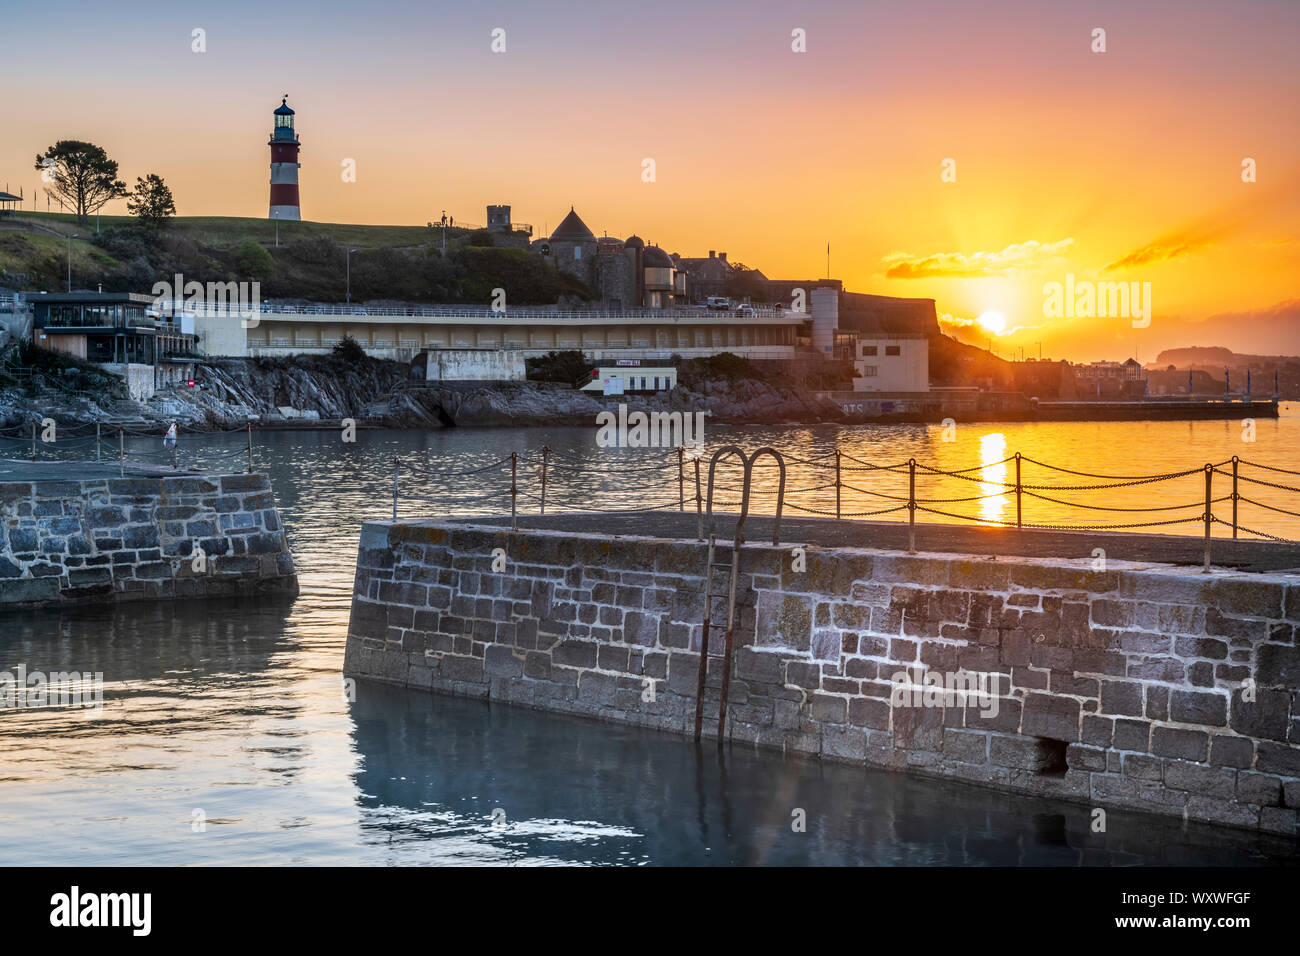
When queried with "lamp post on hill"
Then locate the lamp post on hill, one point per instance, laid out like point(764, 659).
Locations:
point(349, 273)
point(275, 214)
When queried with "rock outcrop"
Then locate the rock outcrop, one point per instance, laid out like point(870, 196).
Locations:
point(230, 391)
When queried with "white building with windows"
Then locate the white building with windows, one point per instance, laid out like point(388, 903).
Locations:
point(891, 362)
point(631, 375)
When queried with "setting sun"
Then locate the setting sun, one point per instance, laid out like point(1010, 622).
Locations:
point(993, 321)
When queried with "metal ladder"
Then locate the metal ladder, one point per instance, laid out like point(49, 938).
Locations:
point(710, 595)
point(712, 565)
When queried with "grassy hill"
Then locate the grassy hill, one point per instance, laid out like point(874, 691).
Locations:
point(388, 262)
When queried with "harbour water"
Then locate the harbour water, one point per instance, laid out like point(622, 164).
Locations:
point(226, 738)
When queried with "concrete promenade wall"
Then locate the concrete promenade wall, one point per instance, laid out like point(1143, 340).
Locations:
point(1146, 687)
point(135, 538)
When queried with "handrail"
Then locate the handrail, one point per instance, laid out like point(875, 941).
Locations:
point(744, 497)
point(748, 463)
point(480, 312)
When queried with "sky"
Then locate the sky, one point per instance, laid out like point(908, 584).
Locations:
point(969, 152)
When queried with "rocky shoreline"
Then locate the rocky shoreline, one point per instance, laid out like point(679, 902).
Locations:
point(304, 389)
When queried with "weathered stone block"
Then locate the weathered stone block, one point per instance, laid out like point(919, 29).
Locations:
point(1209, 781)
point(1048, 716)
point(1121, 698)
point(1197, 707)
point(1266, 717)
point(1183, 744)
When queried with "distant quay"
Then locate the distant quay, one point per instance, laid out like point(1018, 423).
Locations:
point(969, 405)
point(78, 532)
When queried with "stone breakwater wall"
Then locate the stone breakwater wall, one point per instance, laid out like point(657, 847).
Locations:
point(138, 538)
point(1142, 687)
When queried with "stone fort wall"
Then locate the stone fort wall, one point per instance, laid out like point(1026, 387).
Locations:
point(136, 538)
point(1148, 688)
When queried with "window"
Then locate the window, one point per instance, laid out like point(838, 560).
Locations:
point(577, 252)
point(893, 350)
point(868, 371)
point(868, 350)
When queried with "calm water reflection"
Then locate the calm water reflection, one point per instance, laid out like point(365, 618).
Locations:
point(237, 711)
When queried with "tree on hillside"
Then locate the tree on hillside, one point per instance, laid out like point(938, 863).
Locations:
point(80, 175)
point(152, 201)
point(254, 261)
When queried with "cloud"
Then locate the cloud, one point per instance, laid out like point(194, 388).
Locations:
point(1016, 259)
point(959, 323)
point(1175, 245)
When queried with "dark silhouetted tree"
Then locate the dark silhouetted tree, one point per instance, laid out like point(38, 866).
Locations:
point(151, 202)
point(80, 175)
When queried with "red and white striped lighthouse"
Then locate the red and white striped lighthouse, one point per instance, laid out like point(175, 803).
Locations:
point(284, 165)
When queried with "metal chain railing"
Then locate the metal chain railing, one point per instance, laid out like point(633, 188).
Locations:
point(49, 441)
point(646, 482)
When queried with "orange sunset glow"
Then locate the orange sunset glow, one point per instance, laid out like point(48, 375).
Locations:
point(965, 153)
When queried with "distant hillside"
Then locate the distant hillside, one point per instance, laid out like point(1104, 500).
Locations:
point(387, 262)
point(1265, 370)
point(1214, 355)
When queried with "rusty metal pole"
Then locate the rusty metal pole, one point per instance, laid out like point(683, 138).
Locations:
point(395, 468)
point(514, 490)
point(727, 640)
point(837, 484)
point(702, 675)
point(681, 480)
point(33, 441)
point(911, 504)
point(1209, 518)
point(546, 450)
point(699, 505)
point(121, 455)
point(1017, 491)
point(250, 448)
point(98, 450)
point(1235, 461)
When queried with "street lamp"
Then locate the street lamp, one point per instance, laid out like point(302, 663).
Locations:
point(70, 238)
point(349, 268)
point(275, 213)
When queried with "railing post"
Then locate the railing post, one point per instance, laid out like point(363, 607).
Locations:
point(395, 469)
point(98, 450)
point(546, 450)
point(1209, 518)
point(33, 441)
point(837, 484)
point(514, 490)
point(250, 448)
point(699, 505)
point(911, 504)
point(121, 455)
point(1235, 461)
point(681, 478)
point(1017, 491)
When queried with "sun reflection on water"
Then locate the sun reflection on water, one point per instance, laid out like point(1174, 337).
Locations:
point(993, 477)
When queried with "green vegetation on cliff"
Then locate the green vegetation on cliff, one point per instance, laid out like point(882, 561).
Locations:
point(403, 263)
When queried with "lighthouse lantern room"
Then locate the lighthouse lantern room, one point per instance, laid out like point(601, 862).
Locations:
point(284, 165)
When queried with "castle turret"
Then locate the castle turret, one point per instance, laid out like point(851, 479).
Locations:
point(284, 165)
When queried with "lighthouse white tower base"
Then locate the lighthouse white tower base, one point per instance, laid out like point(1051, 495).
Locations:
point(284, 167)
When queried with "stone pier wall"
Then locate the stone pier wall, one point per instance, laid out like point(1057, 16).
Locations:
point(1146, 687)
point(137, 538)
